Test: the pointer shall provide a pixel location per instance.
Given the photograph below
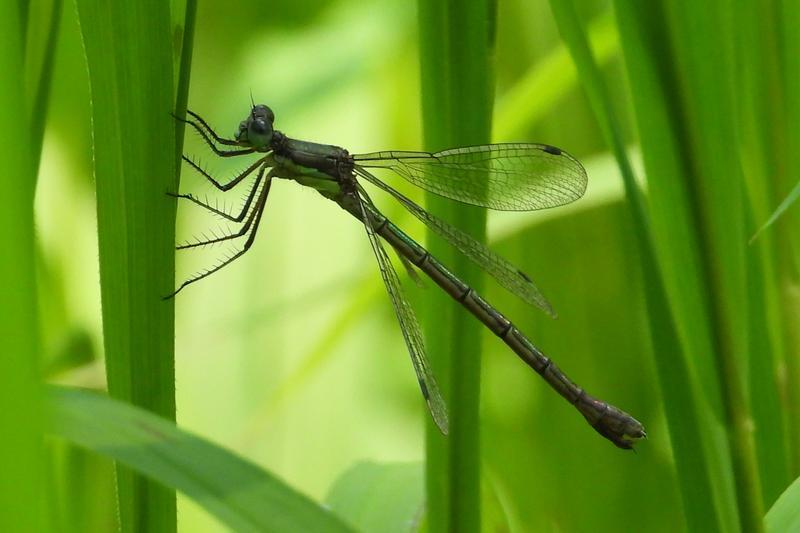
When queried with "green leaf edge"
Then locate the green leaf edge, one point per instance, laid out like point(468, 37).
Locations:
point(238, 493)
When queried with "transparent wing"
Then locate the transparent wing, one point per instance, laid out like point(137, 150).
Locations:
point(506, 274)
point(409, 326)
point(506, 177)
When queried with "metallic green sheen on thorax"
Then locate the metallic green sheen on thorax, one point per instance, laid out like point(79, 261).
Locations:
point(311, 164)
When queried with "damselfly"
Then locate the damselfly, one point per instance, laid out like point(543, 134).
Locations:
point(511, 177)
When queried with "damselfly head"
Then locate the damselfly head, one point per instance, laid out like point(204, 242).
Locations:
point(256, 130)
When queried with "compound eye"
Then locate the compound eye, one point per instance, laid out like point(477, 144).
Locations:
point(259, 127)
point(259, 134)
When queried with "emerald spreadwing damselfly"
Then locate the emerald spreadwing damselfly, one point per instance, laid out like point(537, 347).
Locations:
point(510, 177)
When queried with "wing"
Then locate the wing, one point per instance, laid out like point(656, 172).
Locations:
point(410, 328)
point(506, 177)
point(506, 274)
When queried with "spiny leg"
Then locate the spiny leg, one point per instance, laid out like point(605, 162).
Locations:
point(255, 218)
point(209, 129)
point(210, 142)
point(243, 230)
point(207, 241)
point(231, 184)
point(245, 208)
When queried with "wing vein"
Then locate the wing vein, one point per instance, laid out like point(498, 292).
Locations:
point(408, 324)
point(507, 177)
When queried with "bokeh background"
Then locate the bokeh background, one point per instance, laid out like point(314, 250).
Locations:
point(292, 356)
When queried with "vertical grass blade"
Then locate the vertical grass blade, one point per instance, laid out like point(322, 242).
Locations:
point(762, 125)
point(763, 370)
point(703, 35)
point(129, 51)
point(185, 23)
point(456, 41)
point(22, 457)
point(788, 247)
point(686, 116)
point(681, 405)
point(48, 30)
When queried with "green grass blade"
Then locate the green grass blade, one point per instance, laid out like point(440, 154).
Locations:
point(785, 512)
point(380, 498)
point(22, 457)
point(702, 36)
point(761, 123)
point(765, 394)
point(686, 116)
point(788, 247)
point(21, 17)
point(653, 81)
point(49, 28)
point(644, 37)
point(681, 407)
point(456, 41)
point(785, 204)
point(761, 106)
point(129, 53)
point(238, 493)
point(186, 25)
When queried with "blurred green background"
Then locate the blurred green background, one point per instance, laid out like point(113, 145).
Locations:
point(292, 356)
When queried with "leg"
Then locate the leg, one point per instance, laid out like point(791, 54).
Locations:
point(214, 209)
point(208, 139)
point(210, 130)
point(254, 220)
point(231, 184)
point(238, 218)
